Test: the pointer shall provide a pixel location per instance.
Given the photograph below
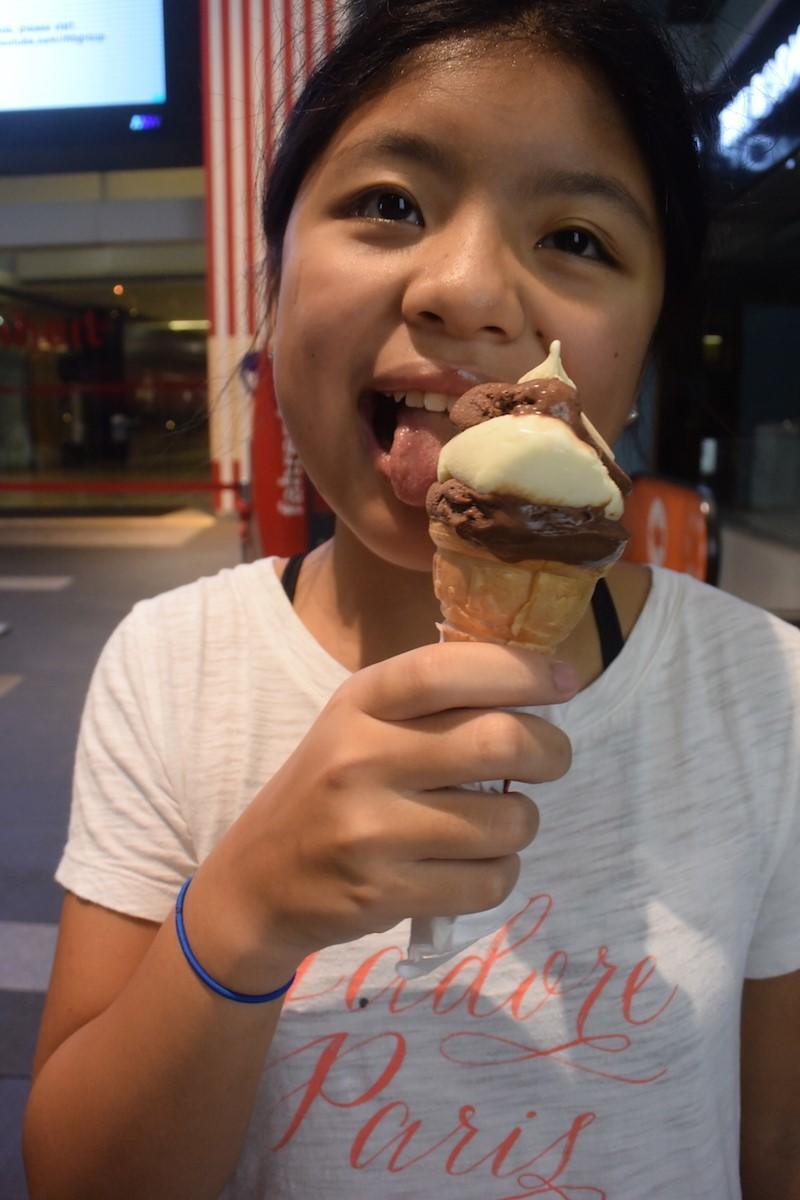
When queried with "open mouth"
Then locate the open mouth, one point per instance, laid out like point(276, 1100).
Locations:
point(383, 418)
point(383, 410)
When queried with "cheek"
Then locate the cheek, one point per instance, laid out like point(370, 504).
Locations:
point(611, 370)
point(329, 312)
point(304, 307)
point(305, 362)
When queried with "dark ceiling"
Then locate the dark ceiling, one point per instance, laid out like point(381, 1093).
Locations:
point(760, 229)
point(691, 12)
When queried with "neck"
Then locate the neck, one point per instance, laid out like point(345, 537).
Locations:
point(363, 610)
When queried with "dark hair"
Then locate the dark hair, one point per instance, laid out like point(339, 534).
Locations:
point(625, 47)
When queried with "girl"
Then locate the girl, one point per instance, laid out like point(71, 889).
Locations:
point(462, 182)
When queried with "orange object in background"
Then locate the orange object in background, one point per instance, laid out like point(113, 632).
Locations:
point(673, 525)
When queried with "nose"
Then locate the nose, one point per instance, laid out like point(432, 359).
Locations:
point(466, 282)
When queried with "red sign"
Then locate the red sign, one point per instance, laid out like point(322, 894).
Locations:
point(279, 482)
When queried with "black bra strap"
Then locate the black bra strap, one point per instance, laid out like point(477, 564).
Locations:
point(607, 622)
point(290, 574)
point(605, 614)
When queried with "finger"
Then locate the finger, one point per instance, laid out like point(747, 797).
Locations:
point(474, 746)
point(458, 824)
point(448, 889)
point(459, 675)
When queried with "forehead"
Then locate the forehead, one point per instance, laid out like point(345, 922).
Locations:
point(513, 102)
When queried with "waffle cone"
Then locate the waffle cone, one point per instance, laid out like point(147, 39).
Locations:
point(533, 603)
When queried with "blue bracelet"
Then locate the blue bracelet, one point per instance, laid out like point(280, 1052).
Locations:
point(208, 980)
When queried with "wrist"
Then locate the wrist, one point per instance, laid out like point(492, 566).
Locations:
point(215, 985)
point(232, 948)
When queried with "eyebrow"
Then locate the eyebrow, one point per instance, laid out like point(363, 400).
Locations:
point(410, 147)
point(587, 183)
point(418, 150)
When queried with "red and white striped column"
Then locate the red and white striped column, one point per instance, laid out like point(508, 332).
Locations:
point(256, 57)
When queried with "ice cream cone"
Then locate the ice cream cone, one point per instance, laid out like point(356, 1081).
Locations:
point(534, 603)
point(525, 512)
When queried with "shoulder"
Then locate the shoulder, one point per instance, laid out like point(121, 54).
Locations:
point(213, 605)
point(732, 669)
point(232, 585)
point(723, 629)
point(206, 626)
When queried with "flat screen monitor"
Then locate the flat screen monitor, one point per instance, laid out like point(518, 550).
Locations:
point(93, 85)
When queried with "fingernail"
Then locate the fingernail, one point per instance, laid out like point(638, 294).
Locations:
point(565, 678)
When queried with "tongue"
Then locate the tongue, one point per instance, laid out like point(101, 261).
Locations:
point(414, 455)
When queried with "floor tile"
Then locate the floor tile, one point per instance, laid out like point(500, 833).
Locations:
point(13, 1098)
point(170, 530)
point(34, 583)
point(26, 955)
point(20, 1015)
point(8, 683)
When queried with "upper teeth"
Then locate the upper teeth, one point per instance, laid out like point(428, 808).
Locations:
point(433, 401)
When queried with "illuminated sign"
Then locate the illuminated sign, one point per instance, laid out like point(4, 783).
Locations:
point(765, 90)
point(140, 122)
point(58, 334)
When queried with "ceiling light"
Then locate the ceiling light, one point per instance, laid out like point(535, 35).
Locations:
point(767, 88)
point(189, 326)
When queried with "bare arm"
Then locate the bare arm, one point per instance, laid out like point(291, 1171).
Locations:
point(145, 1078)
point(770, 1157)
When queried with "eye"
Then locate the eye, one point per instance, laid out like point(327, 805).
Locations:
point(578, 242)
point(384, 204)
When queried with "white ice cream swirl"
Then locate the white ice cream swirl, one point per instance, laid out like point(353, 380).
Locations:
point(535, 457)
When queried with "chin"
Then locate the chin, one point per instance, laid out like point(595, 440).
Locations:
point(399, 538)
point(405, 553)
point(409, 558)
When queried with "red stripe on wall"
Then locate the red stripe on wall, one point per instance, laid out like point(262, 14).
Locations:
point(227, 69)
point(250, 185)
point(288, 64)
point(210, 256)
point(308, 32)
point(330, 33)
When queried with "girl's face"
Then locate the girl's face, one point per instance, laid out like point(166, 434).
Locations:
point(457, 224)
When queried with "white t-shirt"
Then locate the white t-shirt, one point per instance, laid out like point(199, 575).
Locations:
point(588, 1050)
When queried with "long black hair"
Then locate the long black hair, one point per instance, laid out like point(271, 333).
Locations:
point(615, 39)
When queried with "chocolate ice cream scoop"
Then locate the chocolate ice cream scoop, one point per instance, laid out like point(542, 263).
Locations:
point(528, 476)
point(515, 530)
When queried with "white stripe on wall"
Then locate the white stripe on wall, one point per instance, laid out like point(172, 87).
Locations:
point(216, 168)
